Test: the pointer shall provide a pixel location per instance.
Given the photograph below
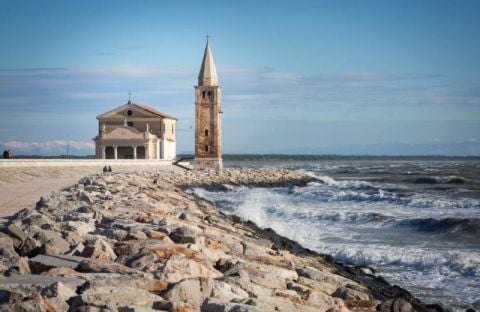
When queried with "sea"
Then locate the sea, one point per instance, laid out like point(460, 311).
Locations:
point(415, 221)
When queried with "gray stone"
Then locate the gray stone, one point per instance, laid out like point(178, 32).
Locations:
point(351, 294)
point(134, 247)
point(42, 263)
point(184, 235)
point(37, 280)
point(30, 247)
point(178, 268)
point(98, 248)
point(57, 295)
point(144, 262)
point(192, 292)
point(86, 197)
point(212, 305)
point(7, 250)
point(115, 279)
point(79, 227)
point(52, 242)
point(123, 298)
point(116, 234)
point(324, 302)
point(227, 292)
point(396, 305)
point(14, 230)
point(101, 266)
point(40, 220)
point(36, 304)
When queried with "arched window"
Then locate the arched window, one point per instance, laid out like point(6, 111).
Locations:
point(206, 148)
point(206, 132)
point(204, 94)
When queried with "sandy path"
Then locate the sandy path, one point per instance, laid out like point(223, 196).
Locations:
point(22, 187)
point(24, 195)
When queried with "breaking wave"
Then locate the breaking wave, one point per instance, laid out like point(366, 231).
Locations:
point(455, 227)
point(438, 180)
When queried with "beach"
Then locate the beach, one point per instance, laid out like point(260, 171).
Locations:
point(174, 251)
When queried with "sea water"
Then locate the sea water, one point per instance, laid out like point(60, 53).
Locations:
point(416, 222)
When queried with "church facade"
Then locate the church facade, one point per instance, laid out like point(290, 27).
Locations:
point(208, 110)
point(135, 131)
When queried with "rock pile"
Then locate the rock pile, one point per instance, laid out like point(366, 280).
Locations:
point(137, 242)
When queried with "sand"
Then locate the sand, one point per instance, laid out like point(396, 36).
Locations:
point(22, 187)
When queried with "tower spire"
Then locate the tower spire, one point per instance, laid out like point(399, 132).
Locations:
point(208, 72)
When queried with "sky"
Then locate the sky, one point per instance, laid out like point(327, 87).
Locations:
point(299, 76)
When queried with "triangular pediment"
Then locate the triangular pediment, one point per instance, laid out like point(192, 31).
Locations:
point(123, 132)
point(122, 112)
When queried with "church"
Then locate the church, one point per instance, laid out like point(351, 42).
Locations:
point(135, 131)
point(139, 131)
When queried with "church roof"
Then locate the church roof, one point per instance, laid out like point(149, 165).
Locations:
point(208, 72)
point(143, 107)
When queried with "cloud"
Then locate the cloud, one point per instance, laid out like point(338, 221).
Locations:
point(40, 104)
point(47, 146)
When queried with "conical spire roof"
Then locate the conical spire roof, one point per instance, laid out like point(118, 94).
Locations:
point(208, 72)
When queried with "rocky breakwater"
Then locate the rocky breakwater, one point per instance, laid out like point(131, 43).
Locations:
point(138, 242)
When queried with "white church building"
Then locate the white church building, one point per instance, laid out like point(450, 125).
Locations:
point(135, 131)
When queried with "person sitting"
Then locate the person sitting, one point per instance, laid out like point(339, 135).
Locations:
point(109, 169)
point(105, 169)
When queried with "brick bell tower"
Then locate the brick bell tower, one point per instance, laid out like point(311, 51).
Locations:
point(208, 129)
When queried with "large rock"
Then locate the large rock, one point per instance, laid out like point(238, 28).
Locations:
point(212, 305)
point(184, 235)
point(42, 263)
point(351, 294)
point(327, 281)
point(133, 247)
point(101, 266)
point(7, 250)
point(52, 242)
point(14, 230)
point(40, 220)
point(37, 304)
point(116, 234)
point(396, 305)
point(124, 298)
point(57, 295)
point(190, 291)
point(114, 280)
point(30, 247)
point(79, 227)
point(325, 287)
point(178, 268)
point(144, 262)
point(98, 248)
point(325, 303)
point(40, 280)
point(227, 292)
point(86, 197)
point(10, 262)
point(16, 288)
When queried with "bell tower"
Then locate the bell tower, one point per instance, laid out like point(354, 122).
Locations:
point(208, 130)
